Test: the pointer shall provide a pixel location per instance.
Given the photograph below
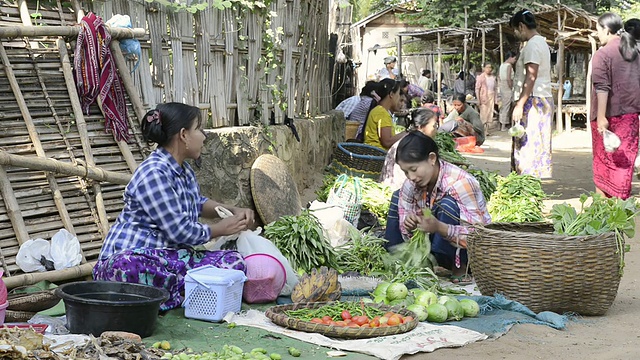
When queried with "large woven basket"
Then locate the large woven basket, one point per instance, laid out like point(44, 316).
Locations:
point(359, 160)
point(543, 271)
point(278, 316)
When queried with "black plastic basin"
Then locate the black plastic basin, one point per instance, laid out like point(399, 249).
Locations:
point(93, 307)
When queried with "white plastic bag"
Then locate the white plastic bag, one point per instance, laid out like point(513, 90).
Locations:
point(250, 242)
point(332, 219)
point(611, 141)
point(30, 255)
point(65, 250)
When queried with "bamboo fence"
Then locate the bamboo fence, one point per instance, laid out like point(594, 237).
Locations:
point(59, 168)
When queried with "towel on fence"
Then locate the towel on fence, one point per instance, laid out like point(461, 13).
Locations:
point(97, 77)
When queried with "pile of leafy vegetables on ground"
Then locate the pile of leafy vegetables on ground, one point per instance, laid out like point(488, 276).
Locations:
point(488, 181)
point(363, 253)
point(447, 149)
point(518, 198)
point(602, 215)
point(376, 197)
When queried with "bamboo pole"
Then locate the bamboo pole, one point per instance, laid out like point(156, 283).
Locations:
point(77, 8)
point(483, 47)
point(501, 44)
point(127, 81)
point(560, 70)
point(53, 276)
point(65, 31)
point(33, 135)
point(13, 209)
point(587, 91)
point(439, 71)
point(59, 167)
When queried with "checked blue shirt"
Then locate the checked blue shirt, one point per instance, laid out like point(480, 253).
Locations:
point(162, 205)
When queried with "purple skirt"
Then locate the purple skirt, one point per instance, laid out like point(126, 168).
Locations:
point(163, 268)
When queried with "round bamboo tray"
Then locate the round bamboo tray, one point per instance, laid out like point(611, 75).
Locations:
point(12, 316)
point(276, 315)
point(33, 302)
point(543, 271)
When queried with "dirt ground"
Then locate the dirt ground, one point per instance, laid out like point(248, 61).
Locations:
point(612, 336)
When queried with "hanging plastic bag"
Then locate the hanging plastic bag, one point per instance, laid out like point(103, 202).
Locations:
point(130, 47)
point(346, 193)
point(65, 250)
point(332, 219)
point(250, 242)
point(34, 255)
point(611, 141)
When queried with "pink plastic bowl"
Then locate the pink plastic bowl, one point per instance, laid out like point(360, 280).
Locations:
point(3, 289)
point(266, 277)
point(3, 311)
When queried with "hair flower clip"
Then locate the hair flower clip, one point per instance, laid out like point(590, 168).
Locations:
point(154, 116)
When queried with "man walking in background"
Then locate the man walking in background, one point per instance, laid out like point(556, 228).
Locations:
point(505, 87)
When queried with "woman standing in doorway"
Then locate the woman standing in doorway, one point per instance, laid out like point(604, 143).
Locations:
point(615, 106)
point(531, 153)
point(486, 95)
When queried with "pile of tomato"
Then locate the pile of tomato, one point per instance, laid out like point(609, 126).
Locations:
point(388, 319)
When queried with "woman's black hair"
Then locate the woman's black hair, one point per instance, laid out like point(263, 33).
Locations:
point(632, 26)
point(460, 97)
point(415, 147)
point(613, 22)
point(461, 75)
point(388, 86)
point(426, 72)
point(428, 98)
point(523, 17)
point(161, 124)
point(421, 116)
point(509, 54)
point(369, 86)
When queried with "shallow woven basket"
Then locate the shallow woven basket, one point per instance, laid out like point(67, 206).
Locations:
point(12, 316)
point(33, 302)
point(546, 272)
point(357, 159)
point(277, 315)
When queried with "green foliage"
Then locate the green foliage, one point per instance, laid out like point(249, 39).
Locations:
point(518, 198)
point(200, 5)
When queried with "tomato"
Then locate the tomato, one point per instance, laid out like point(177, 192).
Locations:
point(383, 320)
point(394, 320)
point(333, 323)
point(345, 315)
point(407, 319)
point(341, 323)
point(360, 320)
point(316, 321)
point(389, 314)
point(374, 323)
point(349, 321)
point(353, 325)
point(326, 319)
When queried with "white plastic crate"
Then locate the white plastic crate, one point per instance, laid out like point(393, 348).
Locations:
point(210, 292)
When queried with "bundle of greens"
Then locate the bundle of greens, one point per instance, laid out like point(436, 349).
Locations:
point(327, 183)
point(488, 181)
point(363, 253)
point(376, 198)
point(447, 149)
point(302, 240)
point(601, 216)
point(518, 198)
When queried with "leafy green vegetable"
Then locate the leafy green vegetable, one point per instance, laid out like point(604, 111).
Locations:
point(601, 216)
point(488, 181)
point(518, 198)
point(302, 240)
point(416, 252)
point(364, 253)
point(327, 183)
point(447, 149)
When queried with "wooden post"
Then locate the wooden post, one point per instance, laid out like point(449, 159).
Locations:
point(13, 208)
point(483, 47)
point(439, 70)
point(78, 10)
point(64, 31)
point(501, 44)
point(560, 70)
point(127, 81)
point(74, 272)
point(400, 55)
point(589, 84)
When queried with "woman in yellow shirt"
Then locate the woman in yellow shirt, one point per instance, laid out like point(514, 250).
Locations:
point(378, 130)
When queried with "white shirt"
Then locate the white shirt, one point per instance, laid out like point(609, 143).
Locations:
point(535, 51)
point(384, 73)
point(506, 72)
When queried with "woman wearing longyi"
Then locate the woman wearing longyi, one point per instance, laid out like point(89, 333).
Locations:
point(615, 106)
point(152, 239)
point(452, 194)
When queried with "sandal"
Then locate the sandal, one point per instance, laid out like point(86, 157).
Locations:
point(464, 279)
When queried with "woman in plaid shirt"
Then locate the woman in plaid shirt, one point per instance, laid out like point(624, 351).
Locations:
point(152, 240)
point(452, 194)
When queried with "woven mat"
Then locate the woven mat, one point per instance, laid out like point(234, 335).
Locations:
point(274, 191)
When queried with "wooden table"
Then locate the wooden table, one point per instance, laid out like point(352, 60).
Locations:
point(569, 110)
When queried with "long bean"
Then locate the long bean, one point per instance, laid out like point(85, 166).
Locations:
point(334, 310)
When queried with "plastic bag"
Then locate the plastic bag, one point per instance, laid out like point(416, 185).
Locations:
point(346, 194)
point(130, 47)
point(57, 325)
point(611, 141)
point(517, 131)
point(250, 242)
point(65, 250)
point(34, 255)
point(332, 219)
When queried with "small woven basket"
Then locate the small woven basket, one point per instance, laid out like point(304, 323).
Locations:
point(33, 302)
point(544, 271)
point(277, 315)
point(360, 160)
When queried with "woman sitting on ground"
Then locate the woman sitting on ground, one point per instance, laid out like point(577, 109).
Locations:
point(452, 194)
point(152, 239)
point(463, 120)
point(379, 130)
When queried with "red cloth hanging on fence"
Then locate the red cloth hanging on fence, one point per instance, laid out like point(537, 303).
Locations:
point(97, 77)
